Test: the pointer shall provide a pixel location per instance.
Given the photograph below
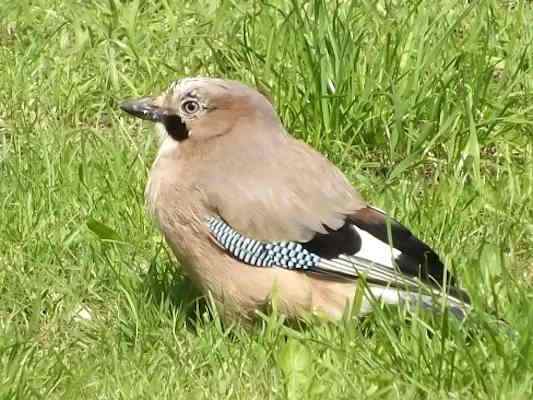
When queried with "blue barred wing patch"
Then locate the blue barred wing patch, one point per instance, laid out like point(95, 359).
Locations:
point(289, 255)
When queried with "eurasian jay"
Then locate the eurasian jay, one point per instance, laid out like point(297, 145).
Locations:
point(252, 213)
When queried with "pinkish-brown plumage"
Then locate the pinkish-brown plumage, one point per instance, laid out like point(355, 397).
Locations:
point(224, 152)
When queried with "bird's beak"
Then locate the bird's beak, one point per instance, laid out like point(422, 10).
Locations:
point(148, 108)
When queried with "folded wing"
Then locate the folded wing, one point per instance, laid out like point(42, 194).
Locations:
point(305, 215)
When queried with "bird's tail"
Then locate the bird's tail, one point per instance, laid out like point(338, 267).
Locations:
point(393, 287)
point(414, 300)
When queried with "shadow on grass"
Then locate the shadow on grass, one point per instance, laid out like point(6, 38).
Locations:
point(166, 284)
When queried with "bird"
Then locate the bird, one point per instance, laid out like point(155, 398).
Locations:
point(255, 215)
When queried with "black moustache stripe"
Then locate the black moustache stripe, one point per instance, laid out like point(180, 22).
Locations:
point(175, 127)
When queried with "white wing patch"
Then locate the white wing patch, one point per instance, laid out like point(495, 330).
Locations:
point(374, 250)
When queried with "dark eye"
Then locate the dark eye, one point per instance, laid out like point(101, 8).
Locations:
point(190, 106)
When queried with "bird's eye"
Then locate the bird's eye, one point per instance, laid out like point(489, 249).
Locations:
point(190, 107)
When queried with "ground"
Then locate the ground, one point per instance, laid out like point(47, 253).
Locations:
point(426, 105)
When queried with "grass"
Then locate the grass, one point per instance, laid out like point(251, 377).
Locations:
point(428, 108)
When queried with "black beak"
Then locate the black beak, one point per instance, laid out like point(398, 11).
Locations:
point(146, 108)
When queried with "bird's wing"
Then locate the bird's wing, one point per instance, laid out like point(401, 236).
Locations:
point(302, 200)
point(369, 261)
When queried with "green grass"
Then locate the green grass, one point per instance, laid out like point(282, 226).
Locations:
point(426, 105)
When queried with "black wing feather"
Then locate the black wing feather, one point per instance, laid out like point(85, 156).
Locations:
point(417, 258)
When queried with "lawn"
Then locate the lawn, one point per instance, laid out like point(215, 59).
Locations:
point(426, 105)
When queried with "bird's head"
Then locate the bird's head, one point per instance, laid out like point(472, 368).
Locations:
point(202, 108)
